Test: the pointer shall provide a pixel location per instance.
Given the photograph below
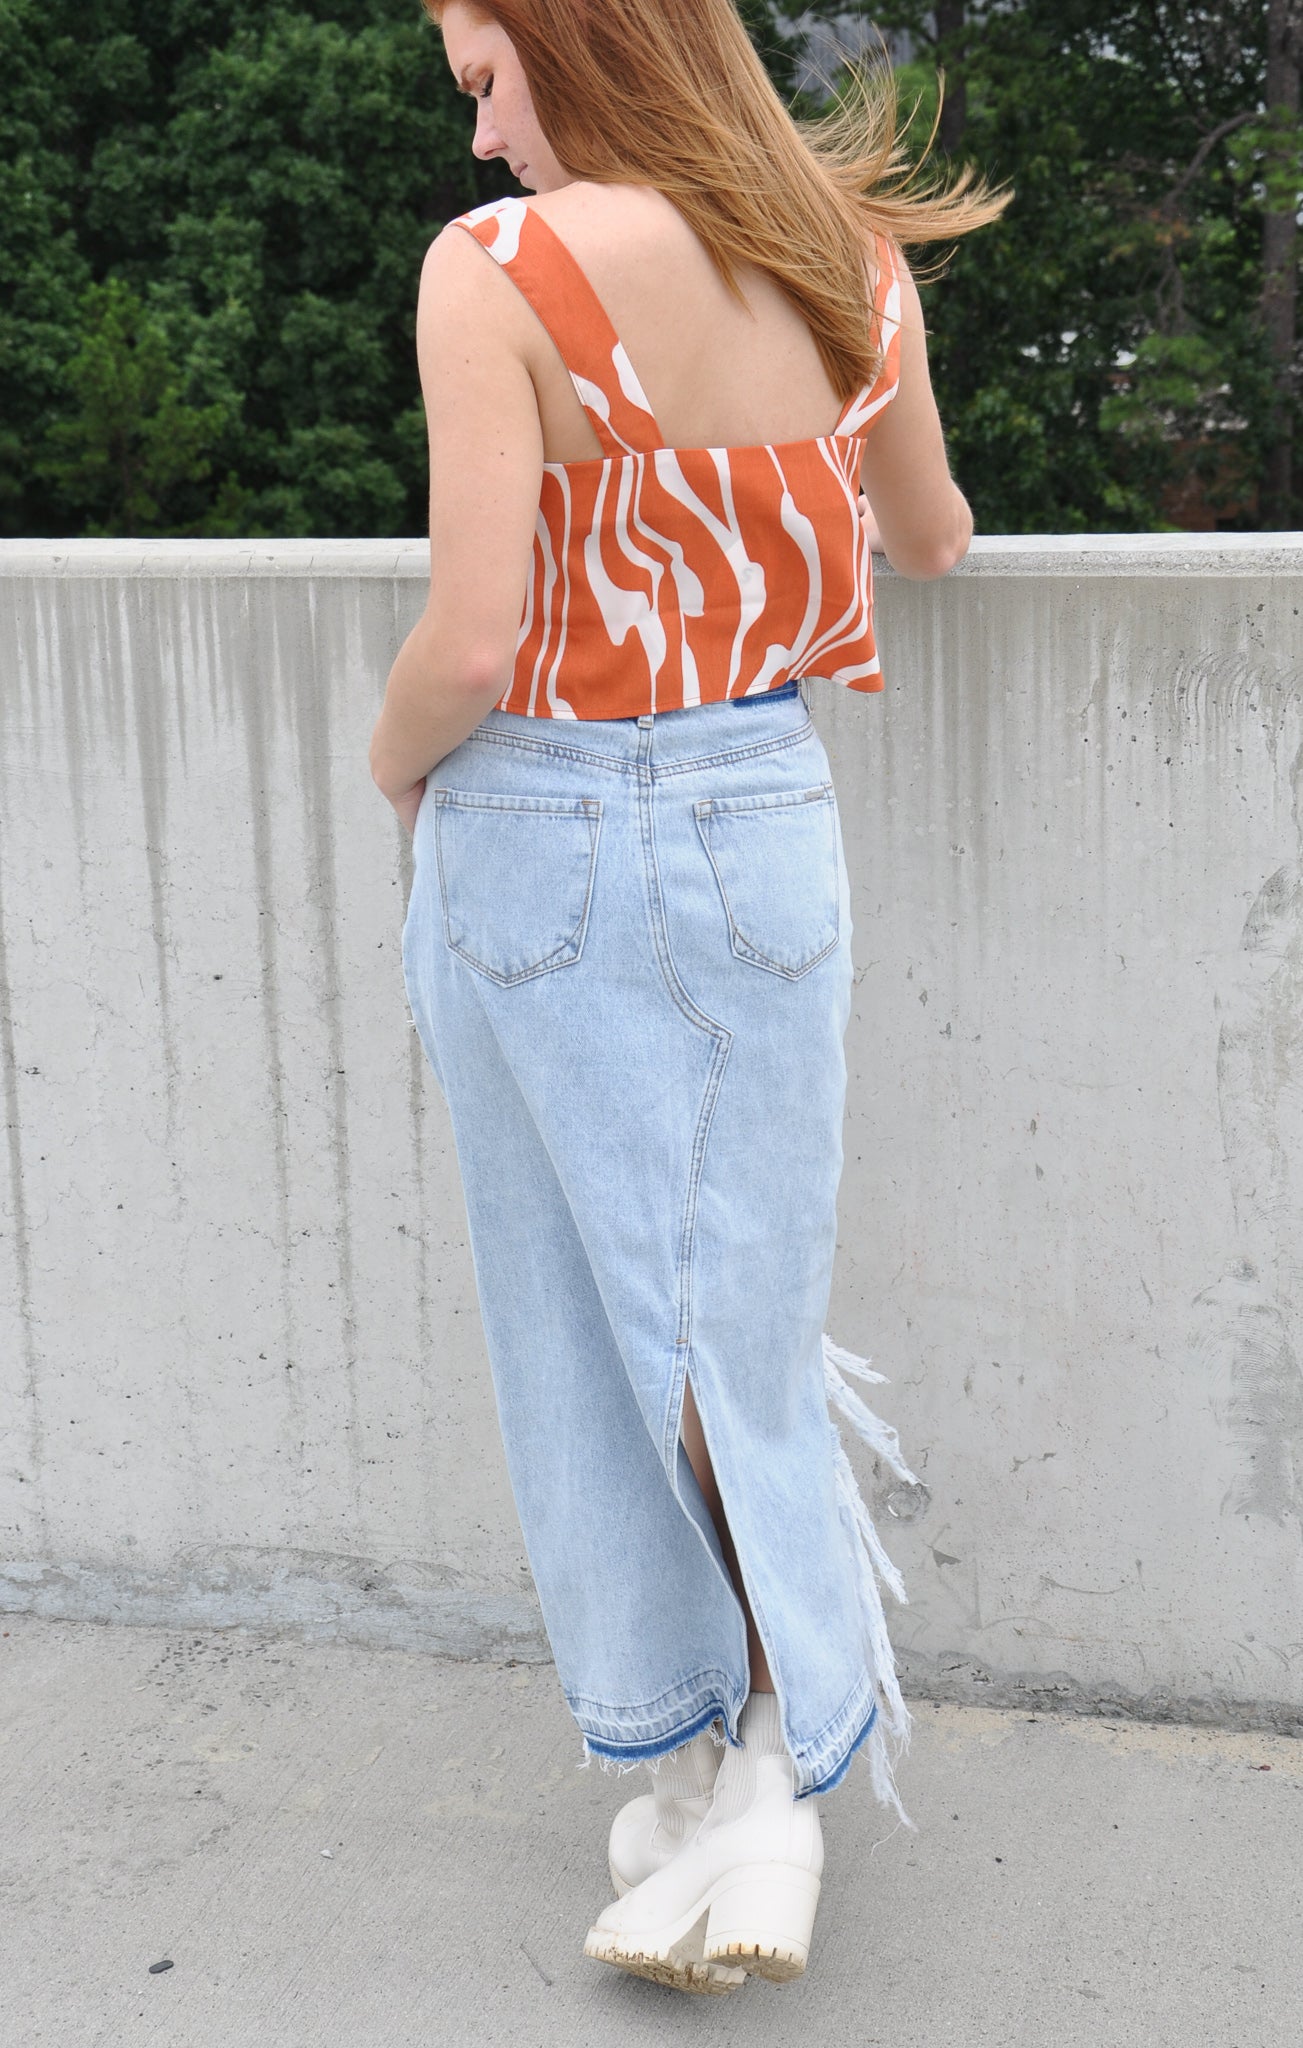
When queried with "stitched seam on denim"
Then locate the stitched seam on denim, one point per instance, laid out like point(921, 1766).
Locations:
point(655, 1746)
point(740, 944)
point(833, 1777)
point(767, 800)
point(528, 745)
point(660, 936)
point(744, 951)
point(695, 1015)
point(687, 1238)
point(443, 892)
point(695, 1683)
point(550, 962)
point(629, 1730)
point(519, 804)
point(729, 754)
point(830, 1738)
point(847, 1711)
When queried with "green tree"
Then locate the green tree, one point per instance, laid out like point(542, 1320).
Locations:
point(43, 270)
point(131, 444)
point(1101, 353)
point(238, 193)
point(263, 179)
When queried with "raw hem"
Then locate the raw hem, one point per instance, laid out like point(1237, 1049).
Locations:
point(839, 1770)
point(642, 1726)
point(626, 1756)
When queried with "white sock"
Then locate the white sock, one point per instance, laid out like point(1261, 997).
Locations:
point(760, 1726)
point(687, 1772)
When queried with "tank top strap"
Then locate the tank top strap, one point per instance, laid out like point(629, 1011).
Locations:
point(864, 405)
point(543, 270)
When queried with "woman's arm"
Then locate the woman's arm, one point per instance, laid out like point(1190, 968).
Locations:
point(486, 469)
point(921, 515)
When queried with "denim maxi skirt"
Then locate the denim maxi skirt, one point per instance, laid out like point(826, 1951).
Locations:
point(627, 952)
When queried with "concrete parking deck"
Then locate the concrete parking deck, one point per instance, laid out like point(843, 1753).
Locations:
point(334, 1845)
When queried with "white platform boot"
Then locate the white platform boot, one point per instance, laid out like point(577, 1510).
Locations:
point(649, 1830)
point(745, 1885)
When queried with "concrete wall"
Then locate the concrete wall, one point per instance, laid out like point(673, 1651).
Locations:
point(241, 1370)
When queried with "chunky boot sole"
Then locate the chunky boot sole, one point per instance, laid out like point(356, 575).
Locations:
point(758, 1919)
point(761, 1918)
point(679, 1964)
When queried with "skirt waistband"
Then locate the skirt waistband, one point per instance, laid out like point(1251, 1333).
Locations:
point(687, 733)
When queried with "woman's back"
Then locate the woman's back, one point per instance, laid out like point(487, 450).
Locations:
point(716, 373)
point(594, 553)
point(721, 563)
point(628, 944)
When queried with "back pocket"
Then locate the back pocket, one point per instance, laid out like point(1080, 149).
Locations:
point(515, 879)
point(775, 860)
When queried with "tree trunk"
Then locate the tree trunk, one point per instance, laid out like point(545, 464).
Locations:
point(949, 16)
point(1279, 253)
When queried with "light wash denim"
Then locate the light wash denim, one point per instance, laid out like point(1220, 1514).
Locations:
point(628, 954)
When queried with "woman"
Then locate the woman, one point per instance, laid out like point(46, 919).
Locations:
point(627, 948)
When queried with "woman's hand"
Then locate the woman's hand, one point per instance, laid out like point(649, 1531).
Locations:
point(408, 804)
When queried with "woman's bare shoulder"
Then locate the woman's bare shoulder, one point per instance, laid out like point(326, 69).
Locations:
point(463, 294)
point(592, 216)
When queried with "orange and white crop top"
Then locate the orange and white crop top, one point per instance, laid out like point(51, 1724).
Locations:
point(666, 577)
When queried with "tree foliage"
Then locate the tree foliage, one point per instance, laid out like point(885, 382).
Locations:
point(1100, 353)
point(212, 219)
point(213, 212)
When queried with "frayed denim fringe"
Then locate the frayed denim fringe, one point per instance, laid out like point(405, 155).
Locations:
point(889, 1737)
point(887, 1740)
point(622, 1765)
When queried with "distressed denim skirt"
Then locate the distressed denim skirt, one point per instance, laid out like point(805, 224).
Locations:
point(627, 952)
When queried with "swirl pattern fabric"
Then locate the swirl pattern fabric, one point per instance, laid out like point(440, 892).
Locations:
point(667, 577)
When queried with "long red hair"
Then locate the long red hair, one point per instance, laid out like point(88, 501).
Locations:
point(671, 94)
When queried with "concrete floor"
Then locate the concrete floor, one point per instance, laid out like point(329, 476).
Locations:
point(173, 1795)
